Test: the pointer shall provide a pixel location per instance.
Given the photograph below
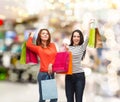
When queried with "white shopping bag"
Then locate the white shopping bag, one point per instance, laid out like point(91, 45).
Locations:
point(49, 89)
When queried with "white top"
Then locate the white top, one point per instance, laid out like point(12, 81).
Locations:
point(77, 53)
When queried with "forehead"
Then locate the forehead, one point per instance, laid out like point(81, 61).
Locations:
point(76, 34)
point(45, 31)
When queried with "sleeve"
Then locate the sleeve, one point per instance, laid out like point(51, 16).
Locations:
point(85, 43)
point(31, 46)
point(57, 48)
point(55, 51)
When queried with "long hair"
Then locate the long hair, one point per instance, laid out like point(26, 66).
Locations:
point(39, 40)
point(80, 42)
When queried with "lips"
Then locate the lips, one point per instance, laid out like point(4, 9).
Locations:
point(76, 41)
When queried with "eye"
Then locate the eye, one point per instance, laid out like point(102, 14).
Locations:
point(76, 36)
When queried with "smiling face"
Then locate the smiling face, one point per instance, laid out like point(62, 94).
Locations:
point(76, 38)
point(44, 35)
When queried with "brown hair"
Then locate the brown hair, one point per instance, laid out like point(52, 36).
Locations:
point(39, 40)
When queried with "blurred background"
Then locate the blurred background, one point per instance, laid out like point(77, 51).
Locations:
point(18, 83)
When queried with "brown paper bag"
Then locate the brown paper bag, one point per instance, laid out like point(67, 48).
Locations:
point(98, 39)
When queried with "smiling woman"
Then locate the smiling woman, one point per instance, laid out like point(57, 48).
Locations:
point(46, 51)
point(76, 38)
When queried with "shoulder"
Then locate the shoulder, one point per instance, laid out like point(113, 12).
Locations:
point(52, 44)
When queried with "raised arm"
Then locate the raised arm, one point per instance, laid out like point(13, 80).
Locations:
point(30, 44)
point(90, 24)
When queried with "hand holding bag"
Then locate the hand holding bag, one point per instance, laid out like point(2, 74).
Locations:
point(95, 40)
point(27, 56)
point(61, 62)
point(49, 88)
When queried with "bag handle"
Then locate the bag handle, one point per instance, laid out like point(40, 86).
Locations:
point(92, 25)
point(49, 76)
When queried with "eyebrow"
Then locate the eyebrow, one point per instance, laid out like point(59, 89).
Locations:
point(76, 35)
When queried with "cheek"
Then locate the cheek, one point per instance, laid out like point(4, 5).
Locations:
point(79, 39)
point(76, 39)
point(73, 40)
point(47, 37)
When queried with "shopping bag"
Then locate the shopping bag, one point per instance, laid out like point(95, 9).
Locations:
point(69, 72)
point(31, 57)
point(49, 89)
point(91, 41)
point(61, 62)
point(23, 54)
point(98, 39)
point(95, 40)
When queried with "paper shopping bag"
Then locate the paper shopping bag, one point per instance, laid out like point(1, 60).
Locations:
point(31, 57)
point(61, 62)
point(98, 39)
point(49, 89)
point(23, 54)
point(69, 72)
point(91, 41)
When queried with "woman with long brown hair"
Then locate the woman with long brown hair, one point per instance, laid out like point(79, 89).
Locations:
point(46, 51)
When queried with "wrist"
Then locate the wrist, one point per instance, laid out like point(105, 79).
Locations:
point(31, 34)
point(50, 64)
